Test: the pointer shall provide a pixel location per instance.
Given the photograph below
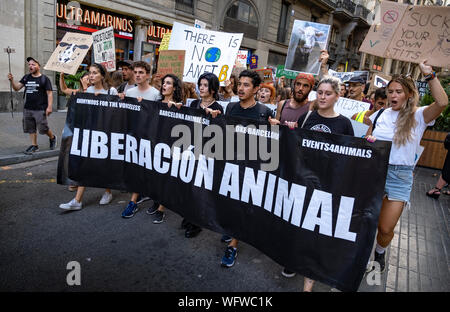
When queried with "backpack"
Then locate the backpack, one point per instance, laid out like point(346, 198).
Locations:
point(376, 118)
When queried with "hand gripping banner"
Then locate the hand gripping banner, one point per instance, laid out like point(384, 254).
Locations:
point(308, 200)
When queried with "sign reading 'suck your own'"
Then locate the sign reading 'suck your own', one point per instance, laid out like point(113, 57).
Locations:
point(206, 51)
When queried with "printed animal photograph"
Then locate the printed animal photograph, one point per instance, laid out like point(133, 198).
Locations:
point(307, 39)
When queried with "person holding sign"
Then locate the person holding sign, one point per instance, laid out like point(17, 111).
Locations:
point(141, 74)
point(38, 104)
point(403, 123)
point(83, 84)
point(172, 93)
point(98, 85)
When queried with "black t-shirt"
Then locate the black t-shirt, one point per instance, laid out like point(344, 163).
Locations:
point(36, 91)
point(258, 112)
point(213, 106)
point(336, 125)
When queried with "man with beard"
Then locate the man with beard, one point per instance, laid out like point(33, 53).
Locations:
point(127, 75)
point(38, 104)
point(290, 110)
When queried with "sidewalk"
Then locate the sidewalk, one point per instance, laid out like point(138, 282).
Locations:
point(13, 141)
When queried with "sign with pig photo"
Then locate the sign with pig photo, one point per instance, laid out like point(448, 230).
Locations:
point(307, 39)
point(69, 54)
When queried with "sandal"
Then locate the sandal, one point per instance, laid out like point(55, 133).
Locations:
point(434, 192)
point(446, 192)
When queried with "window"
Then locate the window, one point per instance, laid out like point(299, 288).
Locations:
point(281, 36)
point(241, 17)
point(314, 18)
point(333, 35)
point(244, 12)
point(185, 6)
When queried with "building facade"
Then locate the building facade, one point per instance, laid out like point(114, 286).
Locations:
point(35, 27)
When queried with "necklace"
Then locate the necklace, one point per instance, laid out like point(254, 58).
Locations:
point(205, 105)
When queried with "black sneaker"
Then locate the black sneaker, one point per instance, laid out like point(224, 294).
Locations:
point(287, 273)
point(381, 260)
point(153, 208)
point(142, 199)
point(53, 142)
point(225, 238)
point(31, 149)
point(159, 217)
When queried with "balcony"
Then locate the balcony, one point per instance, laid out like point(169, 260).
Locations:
point(345, 10)
point(361, 15)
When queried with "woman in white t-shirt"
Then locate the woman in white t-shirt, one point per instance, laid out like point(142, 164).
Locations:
point(98, 86)
point(403, 123)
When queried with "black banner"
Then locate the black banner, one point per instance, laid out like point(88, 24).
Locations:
point(316, 213)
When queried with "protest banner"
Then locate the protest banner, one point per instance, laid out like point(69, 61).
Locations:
point(289, 74)
point(411, 33)
point(316, 213)
point(165, 42)
point(265, 74)
point(206, 51)
point(171, 62)
point(346, 76)
point(104, 48)
point(69, 54)
point(307, 40)
point(379, 80)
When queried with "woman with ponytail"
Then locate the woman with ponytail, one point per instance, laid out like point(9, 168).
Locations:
point(403, 123)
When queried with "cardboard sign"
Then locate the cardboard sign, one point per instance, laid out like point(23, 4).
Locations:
point(165, 42)
point(171, 62)
point(206, 51)
point(241, 58)
point(411, 33)
point(148, 58)
point(105, 48)
point(265, 74)
point(289, 74)
point(69, 54)
point(307, 40)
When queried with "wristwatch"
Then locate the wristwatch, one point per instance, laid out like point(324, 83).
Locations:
point(430, 76)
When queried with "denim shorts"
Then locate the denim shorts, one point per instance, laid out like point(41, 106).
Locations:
point(399, 182)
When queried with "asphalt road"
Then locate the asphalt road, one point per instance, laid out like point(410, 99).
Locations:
point(38, 240)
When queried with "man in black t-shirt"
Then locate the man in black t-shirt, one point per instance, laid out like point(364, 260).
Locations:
point(249, 108)
point(38, 104)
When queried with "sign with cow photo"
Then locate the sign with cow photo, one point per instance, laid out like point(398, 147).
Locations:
point(104, 48)
point(69, 54)
point(307, 39)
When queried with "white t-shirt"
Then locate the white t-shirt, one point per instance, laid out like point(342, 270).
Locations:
point(129, 87)
point(112, 91)
point(152, 94)
point(385, 130)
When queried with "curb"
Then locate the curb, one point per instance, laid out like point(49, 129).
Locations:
point(19, 158)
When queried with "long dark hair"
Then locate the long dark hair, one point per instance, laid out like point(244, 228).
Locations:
point(213, 84)
point(102, 71)
point(177, 88)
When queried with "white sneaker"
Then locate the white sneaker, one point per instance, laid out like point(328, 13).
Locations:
point(72, 205)
point(106, 198)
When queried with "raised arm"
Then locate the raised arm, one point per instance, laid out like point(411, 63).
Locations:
point(437, 92)
point(63, 86)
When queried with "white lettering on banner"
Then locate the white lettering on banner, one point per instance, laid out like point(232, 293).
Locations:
point(289, 197)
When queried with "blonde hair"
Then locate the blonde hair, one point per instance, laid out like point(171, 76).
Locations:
point(334, 82)
point(406, 120)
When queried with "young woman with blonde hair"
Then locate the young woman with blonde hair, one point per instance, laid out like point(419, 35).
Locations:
point(403, 123)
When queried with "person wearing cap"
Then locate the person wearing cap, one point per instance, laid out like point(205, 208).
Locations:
point(38, 104)
point(356, 86)
point(127, 75)
point(289, 111)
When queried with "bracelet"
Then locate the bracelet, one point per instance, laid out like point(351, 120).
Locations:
point(430, 76)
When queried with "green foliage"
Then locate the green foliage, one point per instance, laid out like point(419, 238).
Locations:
point(72, 81)
point(443, 121)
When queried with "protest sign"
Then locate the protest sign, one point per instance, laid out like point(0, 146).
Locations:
point(241, 59)
point(316, 213)
point(199, 24)
point(165, 42)
point(346, 76)
point(237, 71)
point(206, 51)
point(289, 74)
point(148, 58)
point(379, 80)
point(265, 74)
point(307, 40)
point(253, 61)
point(69, 54)
point(359, 128)
point(171, 62)
point(422, 87)
point(345, 106)
point(104, 48)
point(411, 33)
